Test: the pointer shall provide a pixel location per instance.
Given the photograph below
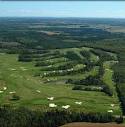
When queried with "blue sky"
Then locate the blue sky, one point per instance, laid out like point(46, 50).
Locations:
point(63, 9)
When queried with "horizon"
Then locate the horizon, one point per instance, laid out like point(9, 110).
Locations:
point(63, 9)
point(62, 17)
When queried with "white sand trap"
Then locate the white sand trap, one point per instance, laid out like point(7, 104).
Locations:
point(12, 69)
point(112, 105)
point(97, 57)
point(14, 75)
point(60, 71)
point(48, 80)
point(66, 106)
point(78, 103)
point(52, 105)
point(54, 71)
point(21, 67)
point(12, 92)
point(84, 65)
point(68, 70)
point(44, 73)
point(110, 111)
point(50, 66)
point(24, 69)
point(1, 91)
point(50, 98)
point(107, 69)
point(38, 91)
point(4, 88)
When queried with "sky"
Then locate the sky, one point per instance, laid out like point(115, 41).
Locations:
point(63, 9)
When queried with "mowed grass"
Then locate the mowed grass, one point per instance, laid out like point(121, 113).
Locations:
point(107, 77)
point(19, 77)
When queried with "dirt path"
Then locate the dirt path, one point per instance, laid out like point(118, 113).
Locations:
point(93, 125)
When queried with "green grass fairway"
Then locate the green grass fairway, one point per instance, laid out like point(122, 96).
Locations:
point(107, 77)
point(19, 77)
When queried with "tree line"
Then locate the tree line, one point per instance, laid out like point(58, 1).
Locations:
point(23, 117)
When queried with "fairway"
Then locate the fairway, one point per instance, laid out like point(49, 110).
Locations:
point(33, 90)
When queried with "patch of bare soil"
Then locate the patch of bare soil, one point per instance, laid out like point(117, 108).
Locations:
point(93, 125)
